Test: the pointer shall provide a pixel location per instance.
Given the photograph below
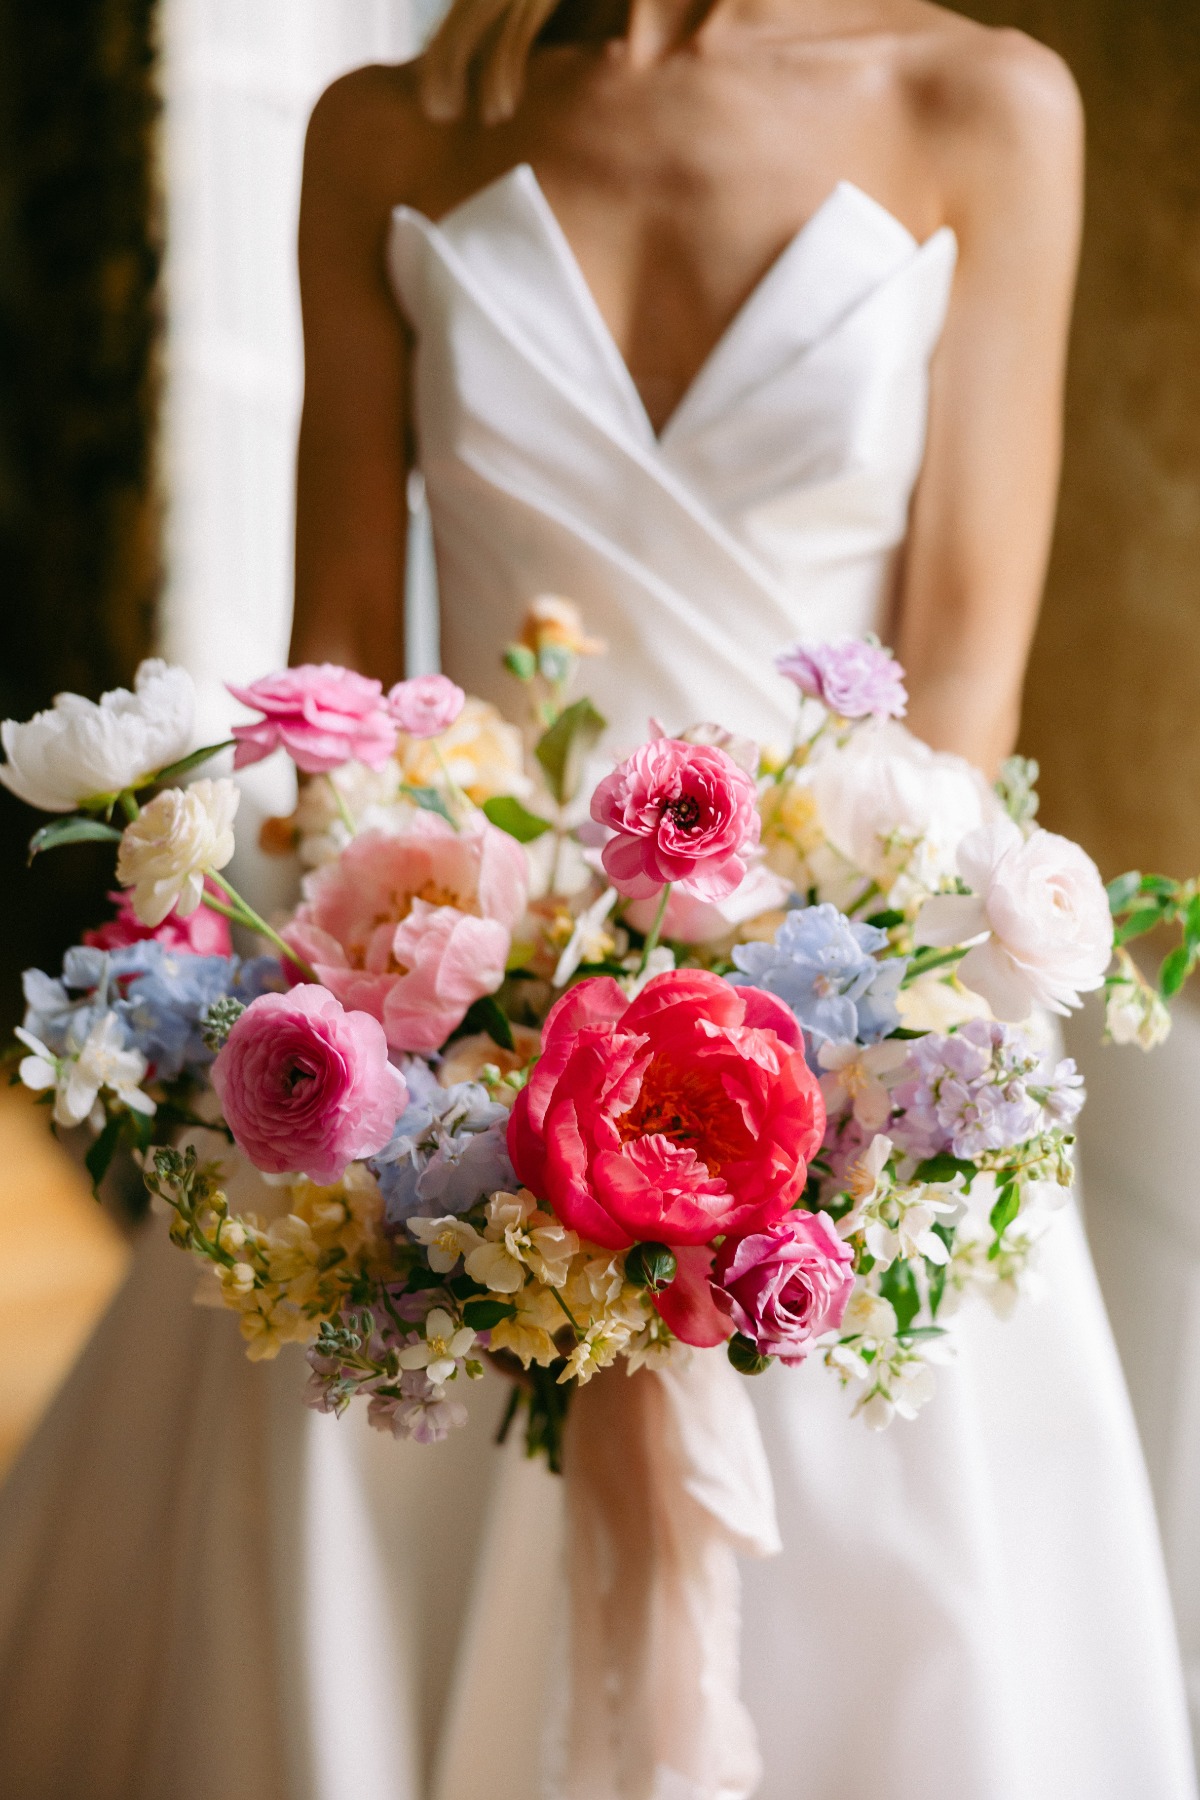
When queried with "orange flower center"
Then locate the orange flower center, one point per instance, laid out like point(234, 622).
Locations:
point(691, 1108)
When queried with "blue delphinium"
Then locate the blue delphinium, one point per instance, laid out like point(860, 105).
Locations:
point(449, 1150)
point(159, 995)
point(823, 965)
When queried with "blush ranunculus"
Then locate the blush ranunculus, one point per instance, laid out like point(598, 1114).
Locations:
point(202, 933)
point(676, 1117)
point(426, 705)
point(414, 926)
point(323, 716)
point(784, 1286)
point(305, 1085)
point(683, 813)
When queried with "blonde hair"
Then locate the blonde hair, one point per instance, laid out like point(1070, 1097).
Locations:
point(481, 45)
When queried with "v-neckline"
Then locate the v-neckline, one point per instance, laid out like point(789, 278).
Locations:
point(523, 179)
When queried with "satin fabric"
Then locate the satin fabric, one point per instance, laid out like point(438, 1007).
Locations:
point(971, 1606)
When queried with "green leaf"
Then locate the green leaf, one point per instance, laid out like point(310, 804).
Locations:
point(430, 799)
point(899, 1285)
point(75, 830)
point(509, 815)
point(1191, 926)
point(924, 1331)
point(1163, 885)
point(745, 1358)
point(561, 749)
point(1008, 1204)
point(487, 1015)
point(481, 1315)
point(186, 764)
point(1138, 923)
point(465, 1287)
point(418, 1279)
point(884, 921)
point(945, 1167)
point(520, 661)
point(1174, 971)
point(1124, 890)
point(101, 1153)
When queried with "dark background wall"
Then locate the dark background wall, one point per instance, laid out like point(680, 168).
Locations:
point(1113, 699)
point(78, 390)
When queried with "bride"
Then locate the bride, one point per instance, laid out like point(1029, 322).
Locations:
point(739, 322)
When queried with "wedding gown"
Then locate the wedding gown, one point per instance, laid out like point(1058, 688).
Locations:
point(207, 1591)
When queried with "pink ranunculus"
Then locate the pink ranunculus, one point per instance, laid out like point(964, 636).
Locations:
point(414, 927)
point(202, 933)
point(305, 1085)
point(683, 813)
point(784, 1286)
point(426, 706)
point(323, 716)
point(856, 679)
point(685, 1114)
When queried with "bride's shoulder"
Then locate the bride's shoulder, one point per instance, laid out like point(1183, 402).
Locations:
point(369, 135)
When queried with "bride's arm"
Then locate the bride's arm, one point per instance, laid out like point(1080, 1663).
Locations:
point(984, 508)
point(352, 462)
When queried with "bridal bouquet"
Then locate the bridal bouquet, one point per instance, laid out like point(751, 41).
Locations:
point(732, 1046)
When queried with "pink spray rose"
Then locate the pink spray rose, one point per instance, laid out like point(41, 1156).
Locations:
point(683, 813)
point(855, 679)
point(676, 1117)
point(784, 1286)
point(323, 716)
point(414, 927)
point(202, 933)
point(306, 1085)
point(426, 706)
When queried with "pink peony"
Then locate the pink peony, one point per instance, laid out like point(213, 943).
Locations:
point(306, 1085)
point(683, 813)
point(855, 679)
point(676, 1117)
point(323, 716)
point(784, 1286)
point(426, 706)
point(202, 933)
point(414, 927)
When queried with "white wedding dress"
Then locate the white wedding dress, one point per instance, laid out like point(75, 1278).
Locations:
point(207, 1592)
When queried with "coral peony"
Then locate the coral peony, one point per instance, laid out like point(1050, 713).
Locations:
point(856, 679)
point(1043, 905)
point(426, 706)
point(202, 933)
point(676, 1117)
point(322, 715)
point(305, 1085)
point(682, 813)
point(784, 1286)
point(413, 927)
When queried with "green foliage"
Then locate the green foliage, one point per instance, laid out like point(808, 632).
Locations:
point(651, 1266)
point(1008, 1205)
point(898, 1284)
point(74, 830)
point(945, 1167)
point(487, 1015)
point(745, 1358)
point(430, 799)
point(509, 815)
point(481, 1315)
point(563, 748)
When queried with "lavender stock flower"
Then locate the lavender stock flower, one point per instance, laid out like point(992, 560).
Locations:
point(857, 679)
point(983, 1088)
point(823, 966)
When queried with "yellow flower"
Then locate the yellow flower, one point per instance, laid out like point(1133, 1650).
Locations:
point(791, 829)
point(482, 751)
point(554, 623)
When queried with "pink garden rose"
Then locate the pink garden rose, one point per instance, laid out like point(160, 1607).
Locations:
point(426, 706)
point(855, 679)
point(323, 716)
point(676, 1117)
point(202, 933)
point(683, 813)
point(306, 1085)
point(784, 1286)
point(413, 927)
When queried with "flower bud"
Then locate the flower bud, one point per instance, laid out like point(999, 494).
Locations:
point(745, 1358)
point(651, 1266)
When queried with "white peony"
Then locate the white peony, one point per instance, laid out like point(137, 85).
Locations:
point(890, 805)
point(168, 849)
point(1043, 907)
point(78, 750)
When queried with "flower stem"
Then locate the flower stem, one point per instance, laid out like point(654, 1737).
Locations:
point(242, 914)
point(569, 1313)
point(128, 805)
point(922, 966)
point(651, 943)
point(339, 800)
point(458, 800)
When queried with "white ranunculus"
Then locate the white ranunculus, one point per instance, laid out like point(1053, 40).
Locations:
point(77, 749)
point(168, 849)
point(890, 805)
point(1042, 905)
